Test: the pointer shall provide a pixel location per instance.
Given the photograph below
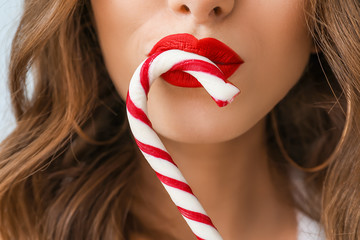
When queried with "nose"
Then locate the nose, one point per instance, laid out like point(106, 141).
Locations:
point(203, 10)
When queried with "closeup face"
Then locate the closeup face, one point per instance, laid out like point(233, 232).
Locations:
point(270, 36)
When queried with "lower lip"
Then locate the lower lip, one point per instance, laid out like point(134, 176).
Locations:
point(182, 79)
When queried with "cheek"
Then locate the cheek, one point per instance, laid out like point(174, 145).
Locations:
point(280, 51)
point(118, 24)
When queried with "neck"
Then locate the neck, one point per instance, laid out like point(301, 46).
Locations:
point(233, 182)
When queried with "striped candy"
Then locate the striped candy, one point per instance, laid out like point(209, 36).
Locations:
point(214, 82)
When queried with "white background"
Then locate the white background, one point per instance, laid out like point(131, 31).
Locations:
point(10, 12)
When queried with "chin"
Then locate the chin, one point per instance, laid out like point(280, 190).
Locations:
point(199, 136)
point(200, 129)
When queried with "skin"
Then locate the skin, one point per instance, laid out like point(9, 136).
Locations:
point(227, 144)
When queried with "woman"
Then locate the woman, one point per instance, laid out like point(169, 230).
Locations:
point(288, 144)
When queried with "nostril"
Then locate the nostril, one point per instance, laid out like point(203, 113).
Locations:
point(185, 9)
point(217, 11)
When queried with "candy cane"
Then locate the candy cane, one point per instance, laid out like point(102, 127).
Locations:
point(214, 82)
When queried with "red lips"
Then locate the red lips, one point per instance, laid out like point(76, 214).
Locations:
point(219, 53)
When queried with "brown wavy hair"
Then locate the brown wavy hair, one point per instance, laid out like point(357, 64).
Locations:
point(68, 170)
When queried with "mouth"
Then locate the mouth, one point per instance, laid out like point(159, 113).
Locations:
point(227, 60)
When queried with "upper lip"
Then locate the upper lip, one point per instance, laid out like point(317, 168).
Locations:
point(218, 52)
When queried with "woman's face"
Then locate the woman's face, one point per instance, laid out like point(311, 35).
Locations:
point(270, 36)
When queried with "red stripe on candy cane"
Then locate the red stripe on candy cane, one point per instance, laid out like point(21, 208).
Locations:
point(138, 113)
point(154, 151)
point(174, 183)
point(145, 72)
point(195, 216)
point(198, 66)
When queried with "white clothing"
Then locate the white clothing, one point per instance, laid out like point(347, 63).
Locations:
point(308, 229)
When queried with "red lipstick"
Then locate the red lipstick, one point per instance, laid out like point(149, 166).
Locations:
point(219, 53)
